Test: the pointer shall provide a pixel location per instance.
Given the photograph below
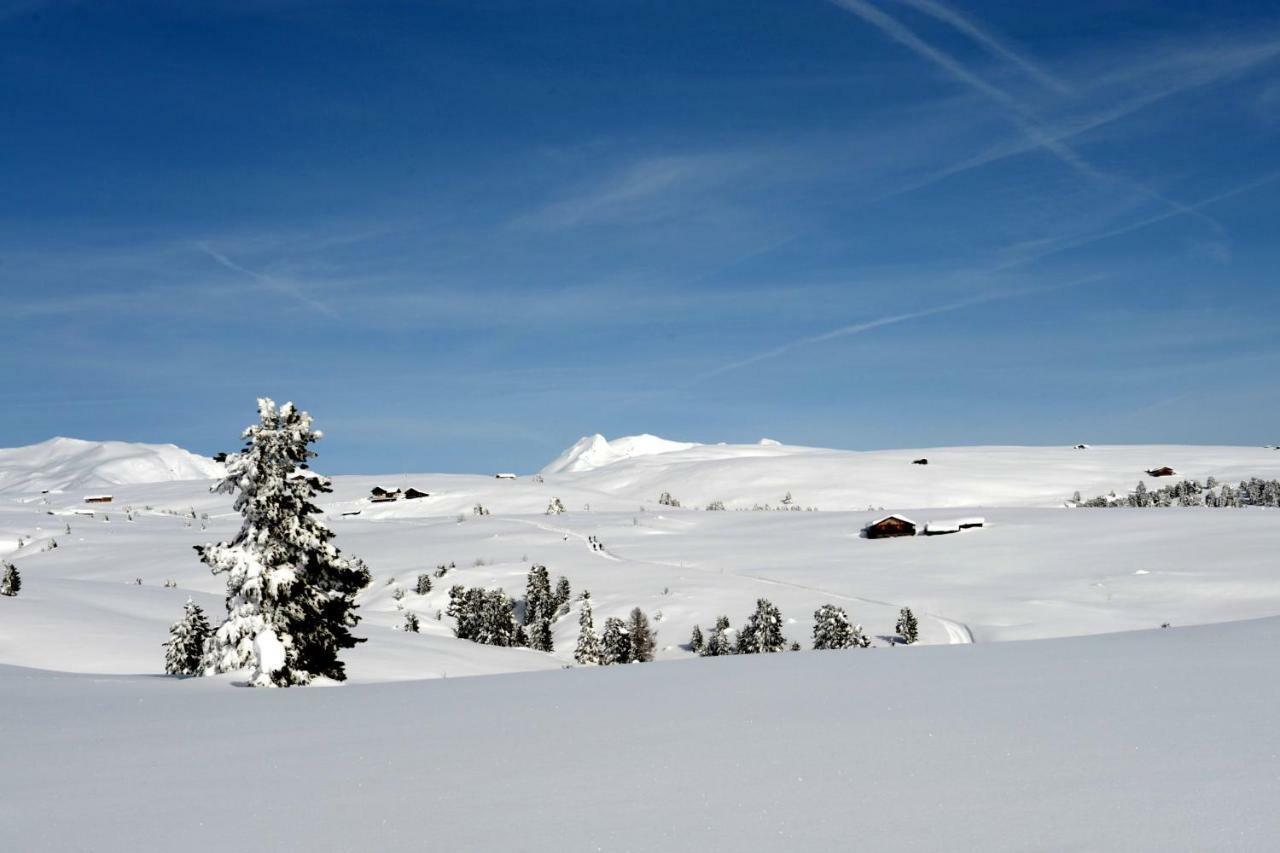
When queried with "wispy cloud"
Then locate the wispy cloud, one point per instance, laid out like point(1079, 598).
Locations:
point(644, 190)
point(279, 285)
point(988, 41)
point(1023, 116)
point(880, 322)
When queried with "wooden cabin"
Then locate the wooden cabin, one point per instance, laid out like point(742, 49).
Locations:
point(380, 495)
point(97, 499)
point(919, 461)
point(505, 476)
point(1081, 447)
point(412, 494)
point(1164, 471)
point(889, 526)
point(941, 528)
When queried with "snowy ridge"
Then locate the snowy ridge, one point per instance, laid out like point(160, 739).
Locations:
point(595, 451)
point(746, 475)
point(70, 463)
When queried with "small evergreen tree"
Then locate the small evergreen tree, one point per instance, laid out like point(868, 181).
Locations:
point(537, 595)
point(762, 632)
point(540, 636)
point(695, 640)
point(411, 623)
point(555, 507)
point(562, 593)
point(907, 627)
point(424, 584)
point(831, 628)
point(520, 638)
point(718, 643)
point(11, 581)
point(615, 645)
point(642, 639)
point(187, 638)
point(588, 649)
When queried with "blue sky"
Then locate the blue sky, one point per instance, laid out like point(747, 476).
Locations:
point(464, 233)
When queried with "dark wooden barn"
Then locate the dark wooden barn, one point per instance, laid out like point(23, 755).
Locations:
point(413, 494)
point(1164, 471)
point(919, 461)
point(890, 525)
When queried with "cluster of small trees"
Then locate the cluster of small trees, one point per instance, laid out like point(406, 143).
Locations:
point(487, 616)
point(629, 641)
point(1252, 492)
point(667, 500)
point(290, 593)
point(762, 632)
point(556, 507)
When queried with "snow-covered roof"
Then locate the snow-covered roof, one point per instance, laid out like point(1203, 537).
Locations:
point(505, 475)
point(888, 517)
point(942, 527)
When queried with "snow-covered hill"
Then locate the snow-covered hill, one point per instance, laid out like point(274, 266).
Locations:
point(1148, 741)
point(595, 451)
point(73, 464)
point(746, 475)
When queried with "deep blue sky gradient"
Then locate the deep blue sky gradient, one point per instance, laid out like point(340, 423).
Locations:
point(464, 233)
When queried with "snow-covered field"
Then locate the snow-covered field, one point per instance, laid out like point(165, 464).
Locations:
point(1152, 740)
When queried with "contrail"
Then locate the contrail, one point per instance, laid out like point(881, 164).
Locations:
point(285, 287)
point(990, 42)
point(1023, 117)
point(859, 328)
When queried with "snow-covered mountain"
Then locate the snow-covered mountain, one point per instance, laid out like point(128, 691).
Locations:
point(70, 463)
point(595, 451)
point(742, 476)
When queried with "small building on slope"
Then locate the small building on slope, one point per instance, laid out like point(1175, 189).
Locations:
point(1163, 471)
point(890, 526)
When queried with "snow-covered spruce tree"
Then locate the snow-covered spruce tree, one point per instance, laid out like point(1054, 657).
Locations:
point(10, 581)
point(537, 595)
point(562, 593)
point(695, 640)
point(498, 627)
point(831, 628)
point(587, 651)
point(615, 645)
point(762, 632)
point(424, 584)
point(555, 507)
point(718, 643)
point(519, 637)
point(540, 639)
point(642, 639)
point(411, 623)
point(187, 638)
point(290, 593)
point(908, 628)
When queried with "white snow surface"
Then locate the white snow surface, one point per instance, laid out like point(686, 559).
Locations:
point(1148, 741)
point(1128, 739)
point(73, 464)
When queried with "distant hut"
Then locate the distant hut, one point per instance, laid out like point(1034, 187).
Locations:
point(412, 494)
point(97, 499)
point(971, 521)
point(890, 525)
point(380, 495)
point(919, 461)
point(1081, 447)
point(504, 476)
point(1164, 471)
point(940, 528)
